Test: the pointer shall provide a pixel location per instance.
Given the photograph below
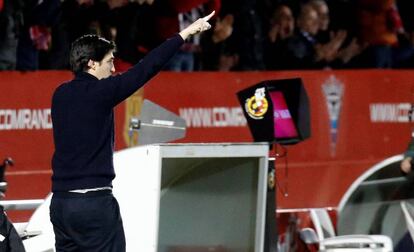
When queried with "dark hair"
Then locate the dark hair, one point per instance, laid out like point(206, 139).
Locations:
point(88, 47)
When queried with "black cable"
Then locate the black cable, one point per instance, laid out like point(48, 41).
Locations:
point(284, 155)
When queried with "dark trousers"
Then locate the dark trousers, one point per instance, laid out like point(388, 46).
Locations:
point(87, 222)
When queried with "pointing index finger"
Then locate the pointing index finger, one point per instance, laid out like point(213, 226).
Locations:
point(206, 18)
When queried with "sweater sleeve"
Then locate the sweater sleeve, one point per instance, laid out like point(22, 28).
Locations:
point(121, 86)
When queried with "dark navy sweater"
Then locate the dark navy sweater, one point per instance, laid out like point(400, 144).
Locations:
point(83, 121)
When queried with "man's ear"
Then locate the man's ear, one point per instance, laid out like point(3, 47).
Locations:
point(91, 64)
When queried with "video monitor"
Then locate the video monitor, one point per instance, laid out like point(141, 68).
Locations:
point(277, 111)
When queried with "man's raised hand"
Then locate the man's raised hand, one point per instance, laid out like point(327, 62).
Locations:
point(198, 26)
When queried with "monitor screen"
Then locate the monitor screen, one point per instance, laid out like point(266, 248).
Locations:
point(284, 126)
point(279, 115)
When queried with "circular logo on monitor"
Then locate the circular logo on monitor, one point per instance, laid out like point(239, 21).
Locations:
point(256, 108)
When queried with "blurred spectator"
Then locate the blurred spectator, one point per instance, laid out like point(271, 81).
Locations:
point(136, 39)
point(75, 18)
point(330, 43)
point(173, 15)
point(322, 9)
point(406, 40)
point(379, 26)
point(299, 51)
point(282, 25)
point(247, 40)
point(215, 46)
point(11, 21)
point(35, 35)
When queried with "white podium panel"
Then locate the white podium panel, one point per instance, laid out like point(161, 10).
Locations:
point(193, 197)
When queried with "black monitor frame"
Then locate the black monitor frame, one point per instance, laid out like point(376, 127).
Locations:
point(261, 122)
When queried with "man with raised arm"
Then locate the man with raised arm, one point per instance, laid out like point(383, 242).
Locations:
point(84, 213)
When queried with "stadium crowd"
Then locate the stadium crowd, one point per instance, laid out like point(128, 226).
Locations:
point(247, 34)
